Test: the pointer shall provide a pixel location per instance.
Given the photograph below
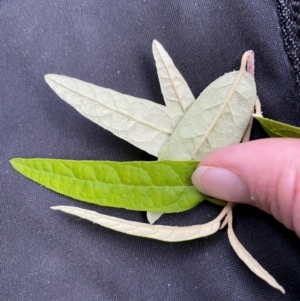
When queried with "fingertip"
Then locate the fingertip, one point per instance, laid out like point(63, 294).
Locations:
point(222, 184)
point(266, 169)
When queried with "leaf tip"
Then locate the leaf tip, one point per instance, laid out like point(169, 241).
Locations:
point(248, 62)
point(11, 161)
point(152, 217)
point(280, 288)
point(53, 79)
point(15, 162)
point(49, 78)
point(155, 42)
point(66, 209)
point(55, 207)
point(156, 46)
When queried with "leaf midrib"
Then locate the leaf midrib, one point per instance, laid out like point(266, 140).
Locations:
point(225, 103)
point(171, 79)
point(114, 110)
point(99, 182)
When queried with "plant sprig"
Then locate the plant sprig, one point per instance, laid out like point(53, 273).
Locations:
point(185, 129)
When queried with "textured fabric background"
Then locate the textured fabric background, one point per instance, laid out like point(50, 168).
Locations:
point(46, 255)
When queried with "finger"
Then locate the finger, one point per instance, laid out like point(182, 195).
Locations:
point(264, 173)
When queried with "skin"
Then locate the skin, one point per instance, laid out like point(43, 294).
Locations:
point(263, 173)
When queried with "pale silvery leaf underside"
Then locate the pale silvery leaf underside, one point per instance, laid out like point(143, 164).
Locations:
point(219, 117)
point(158, 232)
point(141, 122)
point(174, 88)
point(152, 217)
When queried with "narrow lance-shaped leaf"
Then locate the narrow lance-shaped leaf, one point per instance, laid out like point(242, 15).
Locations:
point(246, 257)
point(278, 129)
point(164, 233)
point(219, 117)
point(143, 123)
point(174, 88)
point(161, 186)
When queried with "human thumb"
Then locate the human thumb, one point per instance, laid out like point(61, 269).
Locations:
point(264, 173)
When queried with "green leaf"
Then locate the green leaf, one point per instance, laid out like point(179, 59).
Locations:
point(159, 186)
point(278, 129)
point(218, 118)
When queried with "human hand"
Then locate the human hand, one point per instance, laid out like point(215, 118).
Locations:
point(264, 173)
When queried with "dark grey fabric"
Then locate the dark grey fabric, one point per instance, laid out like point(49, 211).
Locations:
point(289, 18)
point(46, 255)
